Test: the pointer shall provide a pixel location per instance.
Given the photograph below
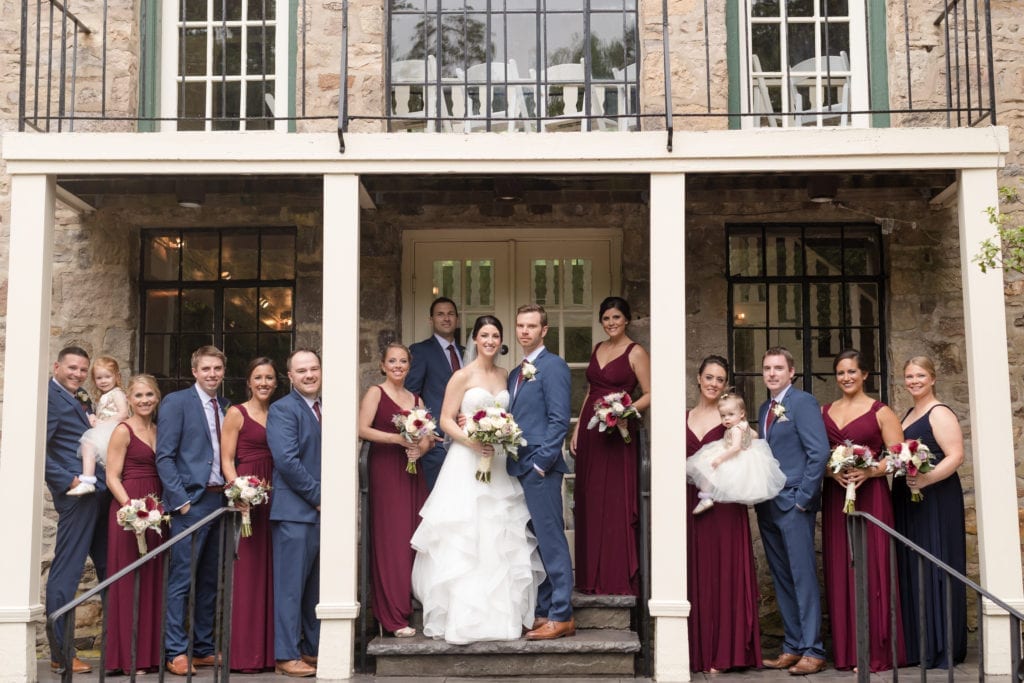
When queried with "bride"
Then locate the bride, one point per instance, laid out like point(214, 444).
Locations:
point(477, 567)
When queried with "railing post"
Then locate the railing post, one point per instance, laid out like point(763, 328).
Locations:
point(364, 553)
point(644, 540)
point(857, 532)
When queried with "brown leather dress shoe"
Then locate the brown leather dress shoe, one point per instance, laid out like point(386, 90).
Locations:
point(553, 629)
point(783, 661)
point(294, 667)
point(309, 659)
point(538, 622)
point(77, 666)
point(179, 666)
point(807, 665)
point(208, 660)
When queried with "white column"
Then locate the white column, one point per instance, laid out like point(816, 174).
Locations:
point(339, 516)
point(24, 421)
point(668, 604)
point(992, 453)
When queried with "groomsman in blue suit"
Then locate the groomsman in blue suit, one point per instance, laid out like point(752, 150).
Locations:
point(293, 433)
point(188, 461)
point(791, 422)
point(81, 520)
point(433, 361)
point(540, 389)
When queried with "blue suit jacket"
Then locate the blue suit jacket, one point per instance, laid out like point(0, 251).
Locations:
point(184, 447)
point(542, 410)
point(66, 421)
point(429, 374)
point(800, 444)
point(293, 433)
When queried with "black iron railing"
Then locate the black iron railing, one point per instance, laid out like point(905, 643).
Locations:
point(228, 529)
point(644, 627)
point(64, 77)
point(857, 525)
point(363, 665)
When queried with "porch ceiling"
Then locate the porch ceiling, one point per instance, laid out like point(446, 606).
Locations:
point(410, 192)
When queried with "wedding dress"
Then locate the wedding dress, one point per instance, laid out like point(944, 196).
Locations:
point(477, 567)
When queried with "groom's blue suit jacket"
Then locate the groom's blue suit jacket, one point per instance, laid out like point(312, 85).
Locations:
point(541, 407)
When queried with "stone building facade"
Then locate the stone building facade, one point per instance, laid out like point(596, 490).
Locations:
point(96, 254)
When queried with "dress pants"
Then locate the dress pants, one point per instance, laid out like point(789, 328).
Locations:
point(208, 558)
point(544, 500)
point(296, 589)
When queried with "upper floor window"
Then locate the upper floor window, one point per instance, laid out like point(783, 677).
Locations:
point(468, 65)
point(806, 62)
point(233, 288)
point(230, 59)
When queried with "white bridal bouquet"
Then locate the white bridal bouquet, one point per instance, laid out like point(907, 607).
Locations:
point(496, 427)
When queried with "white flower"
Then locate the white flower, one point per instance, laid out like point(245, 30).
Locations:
point(528, 371)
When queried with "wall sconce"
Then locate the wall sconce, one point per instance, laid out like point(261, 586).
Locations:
point(822, 189)
point(190, 193)
point(740, 317)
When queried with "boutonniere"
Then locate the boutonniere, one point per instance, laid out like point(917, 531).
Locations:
point(780, 413)
point(83, 397)
point(529, 371)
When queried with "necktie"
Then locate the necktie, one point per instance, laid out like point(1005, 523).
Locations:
point(519, 379)
point(316, 409)
point(453, 357)
point(216, 416)
point(770, 417)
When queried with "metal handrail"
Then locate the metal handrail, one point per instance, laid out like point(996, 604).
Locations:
point(643, 622)
point(856, 525)
point(225, 576)
point(364, 557)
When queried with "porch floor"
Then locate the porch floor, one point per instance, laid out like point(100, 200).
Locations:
point(962, 674)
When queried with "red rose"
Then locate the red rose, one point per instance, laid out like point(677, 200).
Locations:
point(913, 445)
point(896, 449)
point(418, 424)
point(254, 481)
point(626, 400)
point(479, 415)
point(151, 503)
point(142, 514)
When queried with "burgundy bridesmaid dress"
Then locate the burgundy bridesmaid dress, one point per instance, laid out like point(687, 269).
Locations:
point(139, 478)
point(721, 580)
point(840, 590)
point(395, 501)
point(606, 506)
point(252, 602)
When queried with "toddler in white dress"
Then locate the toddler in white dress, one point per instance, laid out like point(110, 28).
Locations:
point(111, 410)
point(739, 467)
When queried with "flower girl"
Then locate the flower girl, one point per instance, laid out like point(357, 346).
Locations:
point(111, 410)
point(738, 468)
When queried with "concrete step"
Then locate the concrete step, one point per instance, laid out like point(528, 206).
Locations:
point(591, 652)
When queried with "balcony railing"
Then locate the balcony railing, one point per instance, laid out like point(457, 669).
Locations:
point(909, 73)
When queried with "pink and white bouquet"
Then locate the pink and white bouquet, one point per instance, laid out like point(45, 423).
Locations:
point(413, 425)
point(249, 491)
point(140, 515)
point(497, 427)
point(908, 458)
point(611, 411)
point(847, 456)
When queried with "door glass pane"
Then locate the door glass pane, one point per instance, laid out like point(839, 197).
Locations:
point(240, 254)
point(200, 257)
point(826, 344)
point(161, 355)
point(579, 337)
point(197, 311)
point(547, 276)
point(783, 252)
point(749, 345)
point(824, 253)
point(745, 253)
point(749, 304)
point(240, 310)
point(784, 305)
point(826, 304)
point(861, 252)
point(160, 260)
point(240, 349)
point(162, 310)
point(278, 256)
point(275, 308)
point(862, 303)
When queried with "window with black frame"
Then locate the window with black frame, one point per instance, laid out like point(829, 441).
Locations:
point(233, 288)
point(466, 65)
point(815, 289)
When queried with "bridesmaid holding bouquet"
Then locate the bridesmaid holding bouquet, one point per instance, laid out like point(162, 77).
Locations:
point(131, 473)
point(859, 419)
point(606, 463)
point(244, 451)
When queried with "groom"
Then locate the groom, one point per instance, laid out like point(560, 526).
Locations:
point(540, 404)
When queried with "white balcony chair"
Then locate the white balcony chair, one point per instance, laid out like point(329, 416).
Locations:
point(415, 94)
point(760, 98)
point(626, 95)
point(833, 71)
point(471, 97)
point(566, 82)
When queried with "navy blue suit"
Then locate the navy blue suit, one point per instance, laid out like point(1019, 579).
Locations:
point(293, 433)
point(82, 520)
point(428, 378)
point(800, 444)
point(184, 460)
point(541, 407)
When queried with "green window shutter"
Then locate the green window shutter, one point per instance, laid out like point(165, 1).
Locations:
point(732, 53)
point(878, 63)
point(149, 67)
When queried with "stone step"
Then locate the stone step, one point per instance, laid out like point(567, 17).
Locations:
point(590, 611)
point(591, 652)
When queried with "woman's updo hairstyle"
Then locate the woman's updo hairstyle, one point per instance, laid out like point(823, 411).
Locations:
point(487, 320)
point(618, 303)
